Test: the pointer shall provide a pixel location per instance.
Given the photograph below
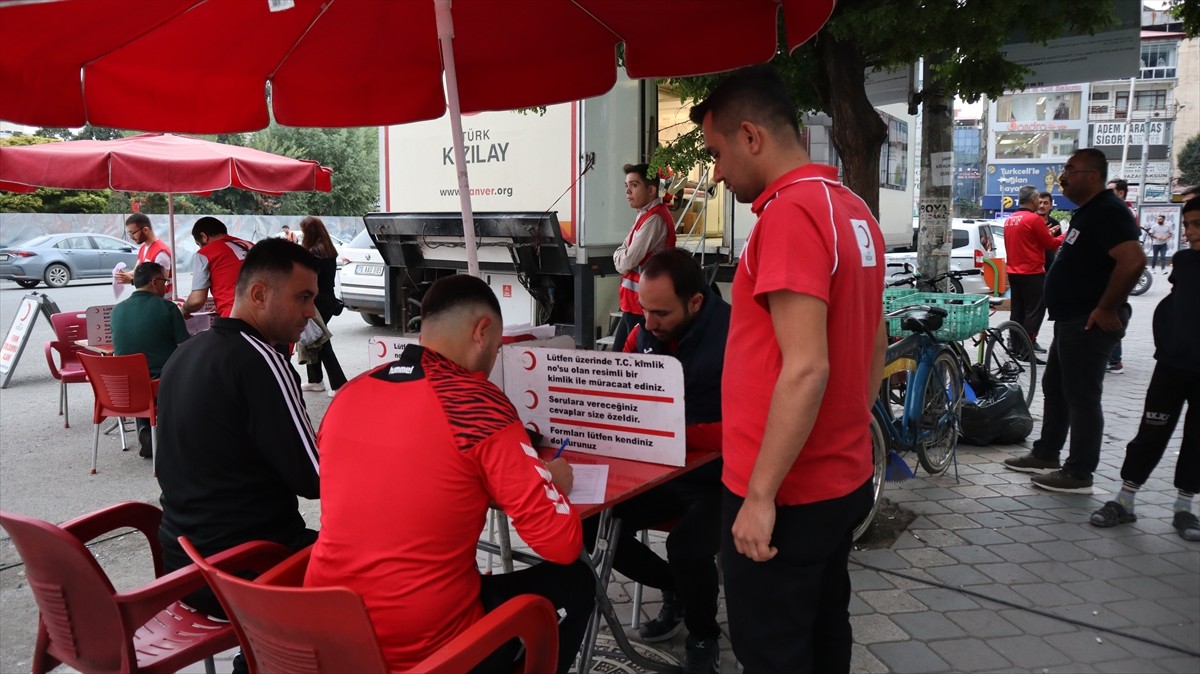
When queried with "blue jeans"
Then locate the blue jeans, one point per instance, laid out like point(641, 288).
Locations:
point(1072, 386)
point(1158, 253)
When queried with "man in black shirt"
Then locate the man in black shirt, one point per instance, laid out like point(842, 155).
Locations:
point(1086, 288)
point(236, 446)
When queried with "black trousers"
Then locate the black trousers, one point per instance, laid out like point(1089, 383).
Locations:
point(1072, 388)
point(1025, 301)
point(327, 358)
point(690, 570)
point(624, 327)
point(1169, 389)
point(790, 615)
point(570, 587)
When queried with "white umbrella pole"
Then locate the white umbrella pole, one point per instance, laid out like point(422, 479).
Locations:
point(445, 27)
point(171, 219)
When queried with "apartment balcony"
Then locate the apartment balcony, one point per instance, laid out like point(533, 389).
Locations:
point(1107, 112)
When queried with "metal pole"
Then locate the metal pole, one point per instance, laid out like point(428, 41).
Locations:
point(171, 219)
point(445, 28)
point(1128, 126)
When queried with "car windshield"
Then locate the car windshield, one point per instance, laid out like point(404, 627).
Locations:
point(35, 241)
point(362, 240)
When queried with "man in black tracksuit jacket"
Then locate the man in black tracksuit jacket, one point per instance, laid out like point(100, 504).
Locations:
point(687, 320)
point(236, 446)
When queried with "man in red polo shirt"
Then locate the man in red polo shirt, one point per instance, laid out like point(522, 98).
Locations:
point(215, 266)
point(1026, 241)
point(803, 362)
point(150, 249)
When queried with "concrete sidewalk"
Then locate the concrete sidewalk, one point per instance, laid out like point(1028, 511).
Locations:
point(992, 575)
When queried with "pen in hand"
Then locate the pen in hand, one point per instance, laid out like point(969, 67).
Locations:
point(561, 448)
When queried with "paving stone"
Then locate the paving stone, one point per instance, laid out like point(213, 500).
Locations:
point(937, 494)
point(913, 579)
point(960, 576)
point(926, 557)
point(1046, 595)
point(1149, 565)
point(858, 606)
point(1140, 665)
point(1180, 664)
point(1002, 503)
point(1035, 624)
point(1098, 591)
point(1103, 569)
point(876, 628)
point(907, 541)
point(941, 538)
point(1040, 501)
point(1000, 592)
point(989, 480)
point(1028, 652)
point(892, 601)
point(969, 655)
point(924, 507)
point(983, 536)
point(866, 579)
point(903, 495)
point(1145, 612)
point(1096, 615)
point(975, 492)
point(862, 661)
point(1188, 582)
point(907, 657)
point(1145, 588)
point(1184, 634)
point(927, 625)
point(1064, 551)
point(994, 520)
point(953, 521)
point(1154, 544)
point(984, 623)
point(1071, 531)
point(1028, 533)
point(972, 554)
point(942, 599)
point(1007, 573)
point(966, 505)
point(1083, 647)
point(883, 559)
point(921, 522)
point(1018, 552)
point(1010, 489)
point(1055, 572)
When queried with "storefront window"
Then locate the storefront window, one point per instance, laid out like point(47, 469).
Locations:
point(893, 156)
point(1039, 107)
point(1023, 145)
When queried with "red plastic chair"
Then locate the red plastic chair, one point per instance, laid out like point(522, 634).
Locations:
point(69, 327)
point(123, 388)
point(86, 624)
point(288, 629)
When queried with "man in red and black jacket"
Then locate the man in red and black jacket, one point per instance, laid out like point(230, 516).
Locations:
point(1026, 241)
point(215, 266)
point(653, 231)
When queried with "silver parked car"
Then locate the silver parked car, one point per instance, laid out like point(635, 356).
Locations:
point(57, 259)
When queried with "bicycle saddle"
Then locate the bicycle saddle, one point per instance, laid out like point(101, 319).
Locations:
point(922, 320)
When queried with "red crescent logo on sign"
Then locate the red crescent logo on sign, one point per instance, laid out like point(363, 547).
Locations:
point(533, 395)
point(532, 360)
point(533, 427)
point(28, 308)
point(382, 350)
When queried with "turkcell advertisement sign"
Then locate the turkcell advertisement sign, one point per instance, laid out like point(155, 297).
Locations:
point(1004, 181)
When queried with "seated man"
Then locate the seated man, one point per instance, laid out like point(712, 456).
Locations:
point(685, 319)
point(236, 446)
point(413, 453)
point(147, 323)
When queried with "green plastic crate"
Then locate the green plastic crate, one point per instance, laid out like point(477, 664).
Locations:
point(966, 315)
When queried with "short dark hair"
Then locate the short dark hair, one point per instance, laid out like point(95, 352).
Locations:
point(686, 275)
point(1121, 185)
point(145, 273)
point(643, 171)
point(459, 290)
point(210, 226)
point(1046, 195)
point(1095, 160)
point(139, 219)
point(1189, 206)
point(756, 94)
point(273, 257)
point(1027, 193)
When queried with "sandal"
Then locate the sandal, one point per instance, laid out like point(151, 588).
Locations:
point(1188, 526)
point(1112, 514)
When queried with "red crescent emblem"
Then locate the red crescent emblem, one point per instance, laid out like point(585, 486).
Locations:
point(28, 308)
point(532, 360)
point(534, 395)
point(533, 427)
point(382, 350)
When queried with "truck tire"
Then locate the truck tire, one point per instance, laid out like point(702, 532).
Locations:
point(27, 282)
point(374, 319)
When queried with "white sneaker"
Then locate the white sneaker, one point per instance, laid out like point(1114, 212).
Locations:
point(331, 393)
point(312, 387)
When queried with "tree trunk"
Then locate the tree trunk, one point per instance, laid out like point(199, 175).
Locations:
point(857, 132)
point(935, 240)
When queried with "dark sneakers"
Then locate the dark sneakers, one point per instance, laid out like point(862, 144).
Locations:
point(1061, 482)
point(701, 656)
point(666, 625)
point(1031, 464)
point(145, 450)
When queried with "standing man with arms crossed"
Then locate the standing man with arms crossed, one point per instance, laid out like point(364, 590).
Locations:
point(150, 249)
point(413, 453)
point(1027, 242)
point(806, 345)
point(236, 446)
point(215, 267)
point(1086, 289)
point(653, 231)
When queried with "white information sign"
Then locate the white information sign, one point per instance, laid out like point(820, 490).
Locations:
point(99, 325)
point(941, 166)
point(622, 405)
point(18, 335)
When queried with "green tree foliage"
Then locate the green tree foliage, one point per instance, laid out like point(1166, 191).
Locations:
point(827, 73)
point(1189, 162)
point(1188, 12)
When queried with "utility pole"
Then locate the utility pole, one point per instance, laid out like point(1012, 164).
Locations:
point(934, 240)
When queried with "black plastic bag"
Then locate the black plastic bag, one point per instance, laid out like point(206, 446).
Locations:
point(999, 416)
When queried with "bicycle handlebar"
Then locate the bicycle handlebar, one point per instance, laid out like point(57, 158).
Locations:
point(936, 311)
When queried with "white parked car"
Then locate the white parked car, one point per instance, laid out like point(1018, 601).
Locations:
point(360, 275)
point(973, 240)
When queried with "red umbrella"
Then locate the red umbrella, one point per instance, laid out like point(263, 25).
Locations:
point(155, 162)
point(202, 66)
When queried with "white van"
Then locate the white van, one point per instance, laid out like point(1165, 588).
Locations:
point(973, 240)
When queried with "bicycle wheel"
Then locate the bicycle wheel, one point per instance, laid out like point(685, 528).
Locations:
point(937, 427)
point(1009, 358)
point(879, 447)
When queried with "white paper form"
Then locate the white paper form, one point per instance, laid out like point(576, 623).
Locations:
point(590, 484)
